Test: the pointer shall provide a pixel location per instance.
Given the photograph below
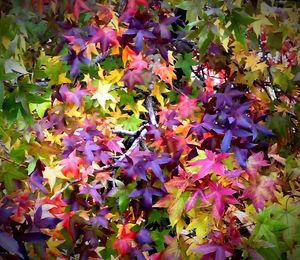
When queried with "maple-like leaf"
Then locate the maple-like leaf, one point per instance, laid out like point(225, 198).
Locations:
point(105, 37)
point(213, 251)
point(147, 194)
point(123, 243)
point(74, 60)
point(132, 78)
point(186, 106)
point(77, 6)
point(255, 162)
point(74, 97)
point(221, 195)
point(102, 93)
point(92, 189)
point(131, 8)
point(100, 220)
point(260, 190)
point(89, 148)
point(137, 108)
point(226, 98)
point(52, 173)
point(191, 201)
point(168, 119)
point(138, 63)
point(36, 178)
point(143, 237)
point(165, 73)
point(163, 37)
point(47, 222)
point(212, 163)
point(185, 62)
point(71, 165)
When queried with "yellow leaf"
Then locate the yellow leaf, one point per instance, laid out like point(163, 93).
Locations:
point(100, 72)
point(74, 111)
point(52, 246)
point(201, 224)
point(102, 94)
point(76, 47)
point(138, 107)
point(115, 116)
point(63, 79)
point(5, 42)
point(49, 137)
point(262, 20)
point(114, 22)
point(115, 50)
point(114, 76)
point(51, 173)
point(91, 49)
point(253, 63)
point(170, 57)
point(156, 92)
point(179, 227)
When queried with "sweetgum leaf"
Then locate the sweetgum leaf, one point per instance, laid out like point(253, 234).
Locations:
point(8, 243)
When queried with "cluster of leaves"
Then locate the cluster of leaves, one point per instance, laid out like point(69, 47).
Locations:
point(149, 129)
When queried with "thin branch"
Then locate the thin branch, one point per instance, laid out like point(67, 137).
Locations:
point(270, 88)
point(150, 109)
point(63, 188)
point(12, 161)
point(116, 88)
point(123, 132)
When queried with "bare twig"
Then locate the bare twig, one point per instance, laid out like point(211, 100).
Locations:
point(12, 161)
point(268, 89)
point(123, 132)
point(116, 88)
point(150, 109)
point(63, 188)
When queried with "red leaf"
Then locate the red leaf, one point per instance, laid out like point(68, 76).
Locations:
point(130, 9)
point(131, 78)
point(221, 196)
point(71, 165)
point(213, 163)
point(106, 37)
point(78, 5)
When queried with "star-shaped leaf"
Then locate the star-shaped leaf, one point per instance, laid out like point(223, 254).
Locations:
point(102, 93)
point(185, 61)
point(51, 173)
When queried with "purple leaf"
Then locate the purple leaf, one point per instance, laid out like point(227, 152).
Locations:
point(143, 236)
point(74, 97)
point(226, 141)
point(8, 243)
point(36, 178)
point(44, 222)
point(34, 237)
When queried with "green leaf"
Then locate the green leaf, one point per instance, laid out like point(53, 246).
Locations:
point(194, 8)
point(158, 238)
point(185, 61)
point(123, 202)
point(9, 174)
point(132, 123)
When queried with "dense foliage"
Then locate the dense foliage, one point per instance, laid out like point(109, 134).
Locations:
point(149, 129)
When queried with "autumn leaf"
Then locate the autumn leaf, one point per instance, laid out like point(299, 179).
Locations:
point(132, 78)
point(102, 93)
point(165, 73)
point(212, 163)
point(71, 165)
point(52, 173)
